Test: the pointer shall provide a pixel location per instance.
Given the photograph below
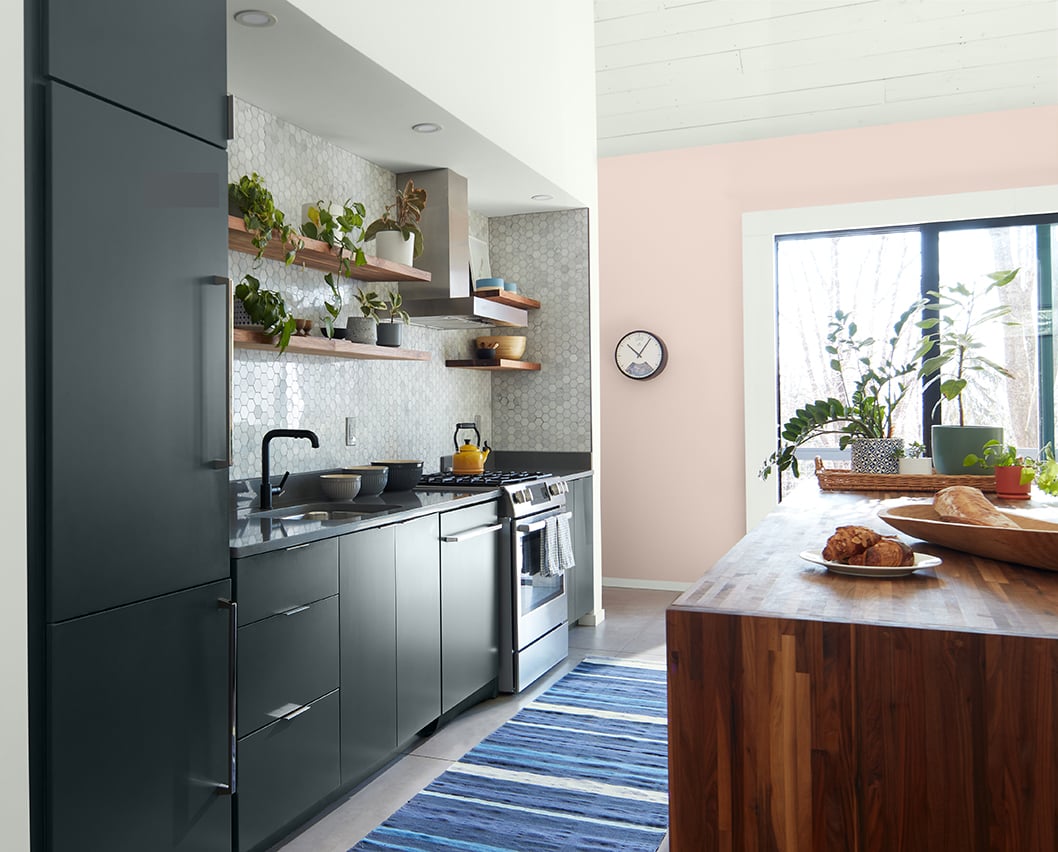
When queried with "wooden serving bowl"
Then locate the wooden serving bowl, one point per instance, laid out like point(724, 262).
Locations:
point(1034, 544)
point(510, 345)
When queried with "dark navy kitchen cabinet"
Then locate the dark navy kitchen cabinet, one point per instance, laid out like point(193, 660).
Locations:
point(138, 714)
point(473, 544)
point(167, 61)
point(368, 650)
point(418, 597)
point(137, 382)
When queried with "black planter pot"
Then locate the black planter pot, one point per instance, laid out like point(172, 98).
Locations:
point(389, 333)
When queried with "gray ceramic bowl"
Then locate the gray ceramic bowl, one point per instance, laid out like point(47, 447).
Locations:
point(373, 478)
point(404, 474)
point(340, 486)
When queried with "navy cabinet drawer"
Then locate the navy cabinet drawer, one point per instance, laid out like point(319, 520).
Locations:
point(285, 769)
point(276, 582)
point(286, 661)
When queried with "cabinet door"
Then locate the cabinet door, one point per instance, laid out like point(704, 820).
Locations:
point(418, 626)
point(137, 370)
point(137, 737)
point(164, 60)
point(581, 587)
point(471, 555)
point(368, 625)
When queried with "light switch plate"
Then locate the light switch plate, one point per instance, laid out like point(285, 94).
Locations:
point(350, 431)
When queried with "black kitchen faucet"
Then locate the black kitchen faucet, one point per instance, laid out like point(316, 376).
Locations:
point(267, 489)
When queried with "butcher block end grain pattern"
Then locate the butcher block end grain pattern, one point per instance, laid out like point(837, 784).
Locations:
point(812, 712)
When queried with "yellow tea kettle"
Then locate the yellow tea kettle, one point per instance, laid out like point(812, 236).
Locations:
point(469, 458)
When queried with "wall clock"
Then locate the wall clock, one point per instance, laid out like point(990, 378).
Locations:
point(641, 354)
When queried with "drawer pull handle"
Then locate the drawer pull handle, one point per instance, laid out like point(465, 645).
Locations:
point(293, 714)
point(474, 533)
point(296, 610)
point(298, 546)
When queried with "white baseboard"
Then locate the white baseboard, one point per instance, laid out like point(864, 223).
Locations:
point(658, 585)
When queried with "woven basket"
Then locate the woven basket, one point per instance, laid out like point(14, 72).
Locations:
point(846, 480)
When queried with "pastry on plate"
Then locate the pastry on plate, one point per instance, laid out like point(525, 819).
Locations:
point(856, 545)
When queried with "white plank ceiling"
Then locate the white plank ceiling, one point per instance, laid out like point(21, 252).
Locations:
point(683, 73)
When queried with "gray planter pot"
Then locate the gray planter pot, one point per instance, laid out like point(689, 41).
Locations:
point(360, 330)
point(390, 333)
point(951, 444)
point(876, 455)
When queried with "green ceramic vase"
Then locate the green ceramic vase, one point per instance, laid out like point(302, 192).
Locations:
point(951, 444)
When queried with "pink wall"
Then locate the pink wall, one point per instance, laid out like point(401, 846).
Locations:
point(670, 248)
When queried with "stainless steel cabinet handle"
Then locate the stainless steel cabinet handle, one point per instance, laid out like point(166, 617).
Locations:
point(232, 607)
point(227, 282)
point(297, 546)
point(293, 714)
point(296, 610)
point(474, 533)
point(539, 525)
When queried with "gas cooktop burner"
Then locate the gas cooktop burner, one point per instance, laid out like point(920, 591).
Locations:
point(488, 479)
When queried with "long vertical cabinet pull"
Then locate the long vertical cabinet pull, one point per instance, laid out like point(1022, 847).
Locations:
point(233, 624)
point(227, 282)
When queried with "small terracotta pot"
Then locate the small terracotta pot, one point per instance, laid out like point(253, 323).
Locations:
point(1008, 483)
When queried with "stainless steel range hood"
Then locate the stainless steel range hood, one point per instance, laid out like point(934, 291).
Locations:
point(448, 300)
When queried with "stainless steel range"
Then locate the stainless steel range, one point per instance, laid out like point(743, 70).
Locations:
point(534, 629)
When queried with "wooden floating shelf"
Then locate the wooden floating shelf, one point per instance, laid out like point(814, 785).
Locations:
point(500, 364)
point(504, 297)
point(247, 339)
point(318, 255)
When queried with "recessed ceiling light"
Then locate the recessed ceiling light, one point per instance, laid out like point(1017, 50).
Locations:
point(543, 197)
point(426, 127)
point(255, 18)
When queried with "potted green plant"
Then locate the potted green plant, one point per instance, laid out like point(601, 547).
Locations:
point(389, 330)
point(268, 309)
point(863, 416)
point(1014, 474)
point(397, 237)
point(362, 329)
point(340, 229)
point(912, 460)
point(250, 199)
point(960, 364)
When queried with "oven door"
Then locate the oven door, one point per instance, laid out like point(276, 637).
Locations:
point(539, 599)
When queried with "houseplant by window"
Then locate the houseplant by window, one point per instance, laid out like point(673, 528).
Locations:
point(960, 363)
point(397, 237)
point(389, 330)
point(912, 460)
point(863, 417)
point(1014, 473)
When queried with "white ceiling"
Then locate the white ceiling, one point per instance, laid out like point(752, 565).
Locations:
point(676, 73)
point(684, 73)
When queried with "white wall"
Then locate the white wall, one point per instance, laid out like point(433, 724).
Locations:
point(14, 712)
point(521, 74)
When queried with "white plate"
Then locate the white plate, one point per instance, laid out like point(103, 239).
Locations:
point(922, 560)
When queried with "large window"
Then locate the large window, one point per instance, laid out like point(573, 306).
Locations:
point(874, 275)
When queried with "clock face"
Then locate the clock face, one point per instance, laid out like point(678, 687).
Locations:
point(640, 355)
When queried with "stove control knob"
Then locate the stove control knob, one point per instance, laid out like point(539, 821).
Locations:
point(520, 496)
point(554, 489)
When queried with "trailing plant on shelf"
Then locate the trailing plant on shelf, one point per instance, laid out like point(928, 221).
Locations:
point(868, 401)
point(959, 361)
point(266, 308)
point(406, 212)
point(261, 216)
point(343, 233)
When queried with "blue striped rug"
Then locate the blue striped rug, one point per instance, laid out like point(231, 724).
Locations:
point(583, 768)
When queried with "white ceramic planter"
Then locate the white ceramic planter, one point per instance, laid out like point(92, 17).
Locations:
point(391, 245)
point(916, 467)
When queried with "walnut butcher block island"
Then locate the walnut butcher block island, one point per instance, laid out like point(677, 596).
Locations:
point(814, 711)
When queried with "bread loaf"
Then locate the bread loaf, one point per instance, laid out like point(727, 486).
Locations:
point(962, 504)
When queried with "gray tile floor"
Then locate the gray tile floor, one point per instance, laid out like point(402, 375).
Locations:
point(634, 627)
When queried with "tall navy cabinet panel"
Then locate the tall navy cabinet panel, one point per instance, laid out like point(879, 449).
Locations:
point(137, 369)
point(167, 61)
point(138, 716)
point(136, 744)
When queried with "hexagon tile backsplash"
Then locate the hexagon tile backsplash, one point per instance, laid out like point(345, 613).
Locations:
point(404, 409)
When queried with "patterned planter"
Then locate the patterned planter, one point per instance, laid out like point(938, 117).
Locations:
point(876, 455)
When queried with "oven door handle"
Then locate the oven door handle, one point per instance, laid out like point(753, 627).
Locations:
point(539, 525)
point(474, 533)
